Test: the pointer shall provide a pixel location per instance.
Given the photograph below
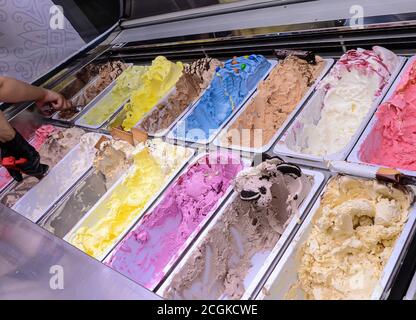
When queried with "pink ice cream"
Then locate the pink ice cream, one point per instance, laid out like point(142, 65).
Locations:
point(161, 236)
point(392, 141)
point(41, 134)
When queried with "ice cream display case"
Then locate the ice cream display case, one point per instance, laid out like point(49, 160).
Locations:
point(220, 150)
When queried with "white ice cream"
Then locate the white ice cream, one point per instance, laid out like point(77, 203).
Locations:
point(348, 93)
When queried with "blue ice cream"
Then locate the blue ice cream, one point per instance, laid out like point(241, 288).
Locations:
point(228, 90)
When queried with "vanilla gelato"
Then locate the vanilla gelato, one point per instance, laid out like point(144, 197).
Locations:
point(347, 95)
point(351, 239)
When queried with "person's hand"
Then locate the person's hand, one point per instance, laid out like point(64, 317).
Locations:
point(19, 148)
point(54, 99)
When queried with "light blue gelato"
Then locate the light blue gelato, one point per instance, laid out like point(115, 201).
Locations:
point(228, 91)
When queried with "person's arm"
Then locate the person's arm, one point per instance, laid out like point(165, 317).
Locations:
point(14, 91)
point(7, 132)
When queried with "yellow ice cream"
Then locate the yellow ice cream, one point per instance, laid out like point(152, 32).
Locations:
point(351, 239)
point(126, 83)
point(153, 164)
point(161, 77)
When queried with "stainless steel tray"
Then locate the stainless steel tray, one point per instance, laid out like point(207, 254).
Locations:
point(171, 136)
point(261, 263)
point(284, 274)
point(95, 214)
point(38, 200)
point(195, 233)
point(80, 122)
point(283, 127)
point(354, 156)
point(75, 204)
point(311, 110)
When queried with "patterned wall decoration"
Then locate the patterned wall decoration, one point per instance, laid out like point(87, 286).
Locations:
point(29, 47)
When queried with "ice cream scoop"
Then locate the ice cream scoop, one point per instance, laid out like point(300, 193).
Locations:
point(373, 172)
point(68, 113)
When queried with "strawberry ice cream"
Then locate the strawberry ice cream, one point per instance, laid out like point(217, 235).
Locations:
point(392, 141)
point(160, 237)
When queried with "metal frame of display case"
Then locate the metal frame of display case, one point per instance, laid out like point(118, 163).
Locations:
point(178, 36)
point(34, 264)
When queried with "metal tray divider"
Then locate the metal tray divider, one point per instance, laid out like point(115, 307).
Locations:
point(276, 255)
point(164, 132)
point(66, 196)
point(115, 115)
point(60, 196)
point(153, 203)
point(94, 102)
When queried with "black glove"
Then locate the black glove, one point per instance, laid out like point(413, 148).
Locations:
point(19, 148)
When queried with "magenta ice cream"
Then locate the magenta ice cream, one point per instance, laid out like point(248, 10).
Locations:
point(160, 237)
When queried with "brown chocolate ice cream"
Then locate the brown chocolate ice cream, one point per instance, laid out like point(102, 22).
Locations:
point(106, 74)
point(80, 80)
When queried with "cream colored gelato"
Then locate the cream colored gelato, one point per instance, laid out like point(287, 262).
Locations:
point(347, 95)
point(351, 238)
